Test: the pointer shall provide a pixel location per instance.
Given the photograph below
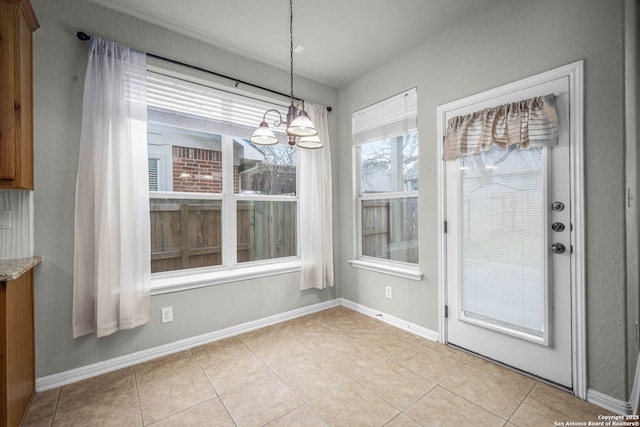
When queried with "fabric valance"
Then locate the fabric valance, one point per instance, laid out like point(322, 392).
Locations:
point(524, 123)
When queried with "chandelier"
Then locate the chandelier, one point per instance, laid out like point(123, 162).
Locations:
point(299, 125)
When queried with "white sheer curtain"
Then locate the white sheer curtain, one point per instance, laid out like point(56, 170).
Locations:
point(316, 214)
point(111, 288)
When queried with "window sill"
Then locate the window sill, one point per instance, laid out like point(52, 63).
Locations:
point(394, 269)
point(164, 283)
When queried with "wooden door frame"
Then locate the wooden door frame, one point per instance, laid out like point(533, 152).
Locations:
point(575, 72)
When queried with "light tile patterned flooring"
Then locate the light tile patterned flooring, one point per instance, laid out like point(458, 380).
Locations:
point(336, 367)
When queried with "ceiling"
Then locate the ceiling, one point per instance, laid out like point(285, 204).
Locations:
point(342, 39)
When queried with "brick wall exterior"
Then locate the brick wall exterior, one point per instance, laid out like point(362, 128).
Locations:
point(204, 170)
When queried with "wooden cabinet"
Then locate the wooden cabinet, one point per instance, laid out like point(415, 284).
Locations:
point(17, 360)
point(17, 23)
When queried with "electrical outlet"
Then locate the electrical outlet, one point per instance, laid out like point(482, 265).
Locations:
point(167, 314)
point(388, 292)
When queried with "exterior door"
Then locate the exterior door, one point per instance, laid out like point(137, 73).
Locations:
point(508, 248)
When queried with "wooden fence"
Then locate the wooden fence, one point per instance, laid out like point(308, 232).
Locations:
point(381, 238)
point(190, 235)
point(266, 230)
point(185, 236)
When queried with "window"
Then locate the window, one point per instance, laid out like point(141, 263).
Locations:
point(216, 200)
point(153, 174)
point(386, 140)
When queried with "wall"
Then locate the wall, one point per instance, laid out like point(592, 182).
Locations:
point(59, 68)
point(632, 107)
point(515, 40)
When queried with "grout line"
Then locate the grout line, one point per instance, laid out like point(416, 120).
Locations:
point(521, 403)
point(474, 403)
point(227, 411)
point(470, 401)
point(319, 416)
point(194, 370)
point(135, 382)
point(422, 397)
point(55, 407)
point(204, 373)
point(27, 412)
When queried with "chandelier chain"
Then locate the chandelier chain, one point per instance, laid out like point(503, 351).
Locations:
point(298, 123)
point(291, 45)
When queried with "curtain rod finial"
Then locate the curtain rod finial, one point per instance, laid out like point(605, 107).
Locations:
point(83, 36)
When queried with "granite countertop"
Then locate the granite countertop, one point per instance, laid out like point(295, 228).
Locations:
point(11, 269)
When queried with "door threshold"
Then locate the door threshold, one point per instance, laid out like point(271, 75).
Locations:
point(514, 369)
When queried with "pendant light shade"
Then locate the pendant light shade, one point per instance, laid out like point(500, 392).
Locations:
point(310, 142)
point(298, 123)
point(263, 135)
point(302, 126)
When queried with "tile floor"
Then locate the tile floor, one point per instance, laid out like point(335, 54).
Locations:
point(336, 367)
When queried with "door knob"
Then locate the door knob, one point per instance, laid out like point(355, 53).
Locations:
point(558, 248)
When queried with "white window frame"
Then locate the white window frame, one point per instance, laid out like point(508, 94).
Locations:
point(165, 175)
point(230, 270)
point(386, 266)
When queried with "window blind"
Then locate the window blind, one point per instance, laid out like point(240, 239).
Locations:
point(503, 239)
point(153, 174)
point(391, 117)
point(207, 109)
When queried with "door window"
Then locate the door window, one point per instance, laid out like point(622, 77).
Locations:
point(503, 250)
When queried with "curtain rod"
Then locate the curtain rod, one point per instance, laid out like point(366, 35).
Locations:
point(86, 37)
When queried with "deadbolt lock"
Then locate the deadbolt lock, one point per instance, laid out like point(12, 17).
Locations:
point(557, 206)
point(557, 227)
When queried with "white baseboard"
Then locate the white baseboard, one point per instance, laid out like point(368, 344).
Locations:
point(635, 391)
point(73, 375)
point(615, 405)
point(609, 403)
point(392, 320)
